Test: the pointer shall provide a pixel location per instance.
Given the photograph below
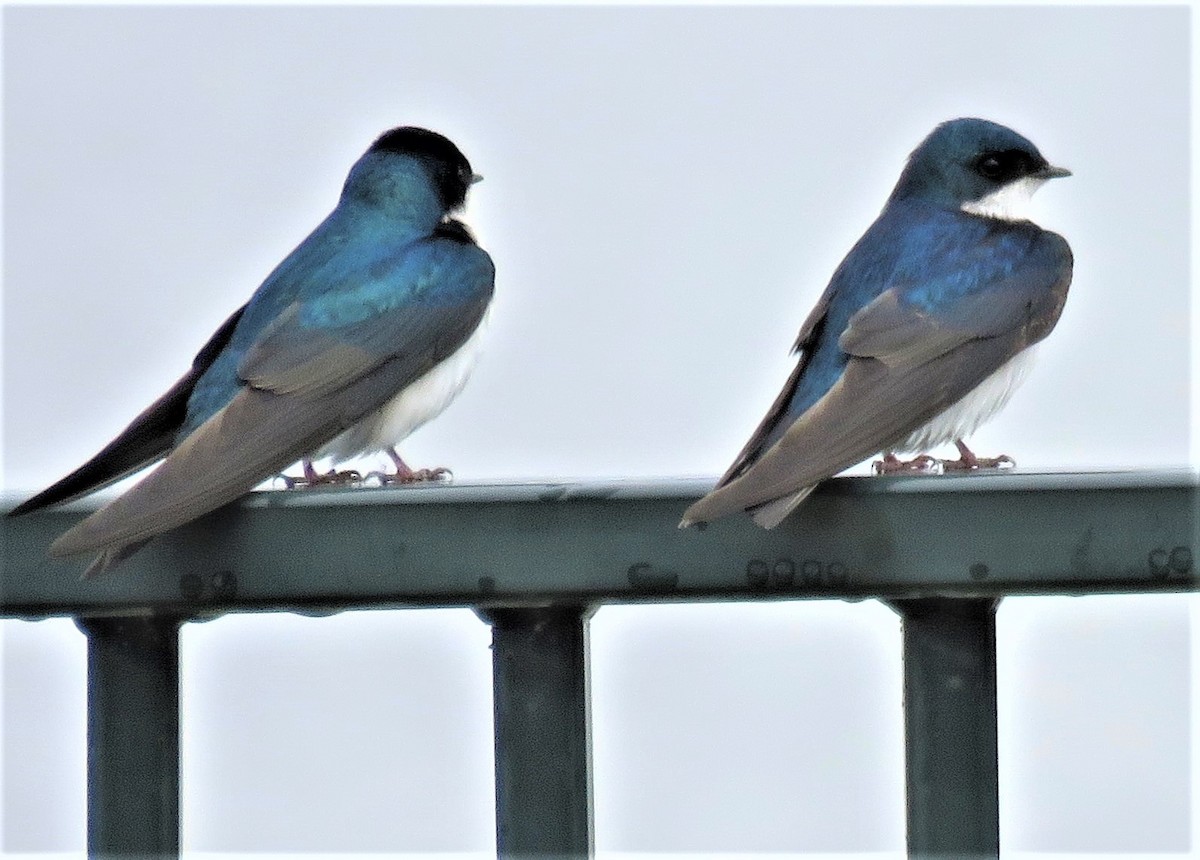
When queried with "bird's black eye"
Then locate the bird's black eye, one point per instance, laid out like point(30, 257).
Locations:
point(1004, 166)
point(990, 167)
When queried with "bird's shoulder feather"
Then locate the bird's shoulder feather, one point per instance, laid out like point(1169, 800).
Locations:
point(422, 302)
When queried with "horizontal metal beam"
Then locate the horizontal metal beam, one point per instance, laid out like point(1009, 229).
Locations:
point(539, 543)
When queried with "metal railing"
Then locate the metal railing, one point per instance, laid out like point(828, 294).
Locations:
point(535, 560)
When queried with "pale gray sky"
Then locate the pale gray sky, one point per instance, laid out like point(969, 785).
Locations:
point(667, 192)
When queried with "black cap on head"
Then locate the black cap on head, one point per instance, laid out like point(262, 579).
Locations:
point(447, 165)
point(966, 159)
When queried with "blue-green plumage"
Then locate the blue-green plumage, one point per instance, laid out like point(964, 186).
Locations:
point(915, 341)
point(971, 256)
point(365, 331)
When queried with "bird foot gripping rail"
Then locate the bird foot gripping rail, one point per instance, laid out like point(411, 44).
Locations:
point(535, 560)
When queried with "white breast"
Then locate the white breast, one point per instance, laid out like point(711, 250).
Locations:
point(420, 402)
point(981, 403)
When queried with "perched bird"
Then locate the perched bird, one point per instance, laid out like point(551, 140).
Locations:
point(924, 330)
point(366, 331)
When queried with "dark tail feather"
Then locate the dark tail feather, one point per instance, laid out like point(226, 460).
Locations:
point(149, 437)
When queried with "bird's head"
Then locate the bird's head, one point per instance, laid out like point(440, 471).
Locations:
point(404, 162)
point(977, 166)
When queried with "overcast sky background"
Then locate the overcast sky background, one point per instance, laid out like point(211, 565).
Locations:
point(666, 193)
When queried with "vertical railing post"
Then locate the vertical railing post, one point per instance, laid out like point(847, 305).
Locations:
point(950, 727)
point(543, 732)
point(133, 736)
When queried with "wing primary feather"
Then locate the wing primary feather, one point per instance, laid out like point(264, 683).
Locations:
point(773, 513)
point(870, 408)
point(147, 438)
point(809, 334)
point(255, 436)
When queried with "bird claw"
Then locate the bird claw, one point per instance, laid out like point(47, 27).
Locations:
point(419, 476)
point(402, 475)
point(379, 478)
point(1002, 463)
point(348, 477)
point(922, 464)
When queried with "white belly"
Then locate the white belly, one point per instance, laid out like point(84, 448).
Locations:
point(420, 402)
point(967, 415)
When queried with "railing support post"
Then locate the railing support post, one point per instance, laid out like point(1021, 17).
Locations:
point(543, 732)
point(133, 736)
point(950, 727)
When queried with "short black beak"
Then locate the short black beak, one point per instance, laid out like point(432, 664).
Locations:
point(1052, 172)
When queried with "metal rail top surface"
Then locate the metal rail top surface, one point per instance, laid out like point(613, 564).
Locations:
point(541, 542)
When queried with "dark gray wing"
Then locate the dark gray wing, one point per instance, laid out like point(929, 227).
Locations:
point(810, 332)
point(908, 363)
point(147, 438)
point(305, 386)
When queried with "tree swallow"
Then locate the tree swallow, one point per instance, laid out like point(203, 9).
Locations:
point(366, 331)
point(924, 330)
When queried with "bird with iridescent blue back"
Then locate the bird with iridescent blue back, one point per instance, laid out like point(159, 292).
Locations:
point(924, 330)
point(366, 331)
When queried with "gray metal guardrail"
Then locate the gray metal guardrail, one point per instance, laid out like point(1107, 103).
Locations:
point(536, 559)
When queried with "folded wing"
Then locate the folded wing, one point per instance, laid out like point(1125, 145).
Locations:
point(316, 370)
point(910, 359)
point(147, 438)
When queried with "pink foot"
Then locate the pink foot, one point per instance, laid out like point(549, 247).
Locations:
point(406, 475)
point(968, 462)
point(922, 464)
point(313, 478)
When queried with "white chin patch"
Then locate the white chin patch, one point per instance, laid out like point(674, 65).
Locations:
point(1009, 203)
